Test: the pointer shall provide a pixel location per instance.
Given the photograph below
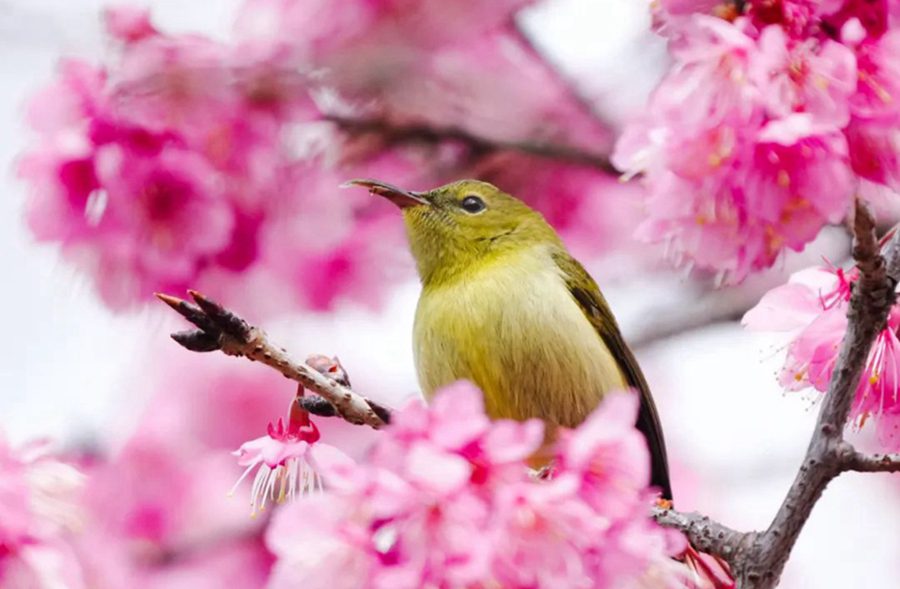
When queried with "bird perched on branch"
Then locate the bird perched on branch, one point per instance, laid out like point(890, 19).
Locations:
point(504, 305)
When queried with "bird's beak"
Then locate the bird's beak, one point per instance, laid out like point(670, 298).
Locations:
point(402, 198)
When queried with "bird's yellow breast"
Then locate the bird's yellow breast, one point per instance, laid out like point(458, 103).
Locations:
point(512, 327)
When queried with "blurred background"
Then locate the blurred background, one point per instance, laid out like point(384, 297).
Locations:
point(91, 365)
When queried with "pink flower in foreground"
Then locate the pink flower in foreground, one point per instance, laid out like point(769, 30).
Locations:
point(38, 510)
point(446, 499)
point(812, 307)
point(284, 460)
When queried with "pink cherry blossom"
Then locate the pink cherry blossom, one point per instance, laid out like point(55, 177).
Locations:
point(606, 452)
point(284, 460)
point(710, 83)
point(446, 500)
point(39, 512)
point(812, 307)
point(764, 127)
point(878, 88)
point(732, 201)
point(815, 77)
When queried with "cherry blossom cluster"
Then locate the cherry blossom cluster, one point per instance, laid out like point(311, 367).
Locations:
point(773, 116)
point(812, 309)
point(446, 499)
point(190, 162)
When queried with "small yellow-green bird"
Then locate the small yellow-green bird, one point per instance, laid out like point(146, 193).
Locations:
point(504, 305)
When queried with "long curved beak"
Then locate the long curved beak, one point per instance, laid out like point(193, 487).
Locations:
point(402, 198)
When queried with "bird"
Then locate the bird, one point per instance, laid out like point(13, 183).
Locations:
point(505, 305)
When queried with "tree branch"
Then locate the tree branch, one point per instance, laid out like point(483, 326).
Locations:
point(404, 133)
point(859, 462)
point(869, 305)
point(757, 559)
point(702, 532)
point(221, 329)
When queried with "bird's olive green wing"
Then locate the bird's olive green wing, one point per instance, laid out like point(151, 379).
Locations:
point(587, 294)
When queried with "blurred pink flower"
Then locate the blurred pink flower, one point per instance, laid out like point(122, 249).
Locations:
point(606, 455)
point(159, 507)
point(878, 88)
point(873, 15)
point(240, 564)
point(246, 137)
point(128, 23)
point(38, 513)
point(812, 307)
point(158, 510)
point(412, 62)
point(162, 220)
point(446, 499)
point(796, 17)
point(875, 151)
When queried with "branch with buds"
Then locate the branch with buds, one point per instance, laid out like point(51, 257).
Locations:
point(757, 558)
point(221, 329)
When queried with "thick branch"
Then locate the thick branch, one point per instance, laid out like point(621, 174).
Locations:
point(758, 558)
point(221, 329)
point(702, 532)
point(869, 306)
point(859, 462)
point(403, 133)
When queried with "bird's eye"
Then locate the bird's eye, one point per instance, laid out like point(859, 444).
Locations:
point(472, 204)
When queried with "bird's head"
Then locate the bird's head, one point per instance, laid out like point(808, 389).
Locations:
point(463, 225)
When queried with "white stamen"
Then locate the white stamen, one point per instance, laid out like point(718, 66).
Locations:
point(283, 483)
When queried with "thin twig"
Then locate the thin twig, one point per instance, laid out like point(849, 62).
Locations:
point(221, 329)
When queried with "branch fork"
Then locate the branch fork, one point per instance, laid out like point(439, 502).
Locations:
point(757, 558)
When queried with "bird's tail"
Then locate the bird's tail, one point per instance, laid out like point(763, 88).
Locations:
point(706, 571)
